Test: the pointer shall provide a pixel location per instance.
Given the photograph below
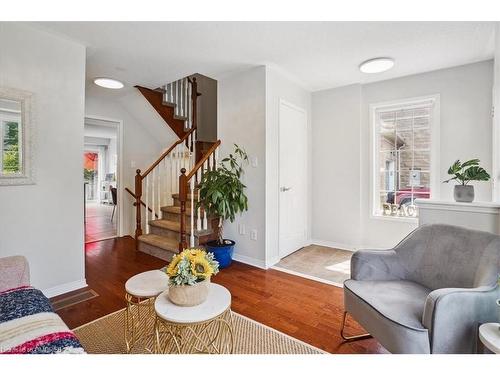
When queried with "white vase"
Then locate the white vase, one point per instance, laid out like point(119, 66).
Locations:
point(189, 295)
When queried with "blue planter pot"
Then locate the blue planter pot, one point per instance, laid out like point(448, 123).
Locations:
point(222, 253)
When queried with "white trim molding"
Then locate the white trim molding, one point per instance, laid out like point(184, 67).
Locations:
point(476, 207)
point(259, 263)
point(26, 98)
point(64, 288)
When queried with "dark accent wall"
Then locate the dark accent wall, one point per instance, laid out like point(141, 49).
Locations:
point(207, 108)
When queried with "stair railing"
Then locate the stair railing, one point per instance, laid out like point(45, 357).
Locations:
point(160, 180)
point(188, 183)
point(157, 184)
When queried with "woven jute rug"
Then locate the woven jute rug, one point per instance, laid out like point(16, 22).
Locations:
point(106, 336)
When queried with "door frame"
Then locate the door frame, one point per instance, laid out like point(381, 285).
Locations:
point(283, 102)
point(119, 168)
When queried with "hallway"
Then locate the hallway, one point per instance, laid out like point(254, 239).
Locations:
point(98, 225)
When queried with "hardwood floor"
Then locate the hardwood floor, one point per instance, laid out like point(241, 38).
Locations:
point(98, 225)
point(302, 308)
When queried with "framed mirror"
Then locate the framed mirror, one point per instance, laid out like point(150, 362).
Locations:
point(16, 137)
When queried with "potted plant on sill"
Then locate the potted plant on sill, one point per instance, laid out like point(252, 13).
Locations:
point(465, 173)
point(189, 276)
point(222, 195)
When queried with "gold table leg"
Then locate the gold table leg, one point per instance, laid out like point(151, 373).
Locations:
point(214, 336)
point(139, 318)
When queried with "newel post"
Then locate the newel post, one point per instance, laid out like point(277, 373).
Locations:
point(138, 196)
point(183, 191)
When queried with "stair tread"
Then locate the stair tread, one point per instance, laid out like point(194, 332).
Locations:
point(176, 196)
point(162, 242)
point(176, 226)
point(177, 210)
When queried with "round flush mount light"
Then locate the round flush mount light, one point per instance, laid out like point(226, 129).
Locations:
point(108, 83)
point(377, 65)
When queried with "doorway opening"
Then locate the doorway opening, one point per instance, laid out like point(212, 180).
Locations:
point(101, 173)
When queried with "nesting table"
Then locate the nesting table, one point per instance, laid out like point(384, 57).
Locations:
point(205, 328)
point(141, 291)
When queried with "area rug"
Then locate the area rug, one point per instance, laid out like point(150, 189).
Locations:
point(319, 263)
point(105, 336)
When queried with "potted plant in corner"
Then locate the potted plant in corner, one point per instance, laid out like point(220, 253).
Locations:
point(465, 173)
point(222, 195)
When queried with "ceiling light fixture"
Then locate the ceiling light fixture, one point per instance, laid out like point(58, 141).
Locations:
point(108, 83)
point(377, 65)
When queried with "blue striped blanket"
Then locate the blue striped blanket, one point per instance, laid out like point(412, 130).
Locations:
point(28, 325)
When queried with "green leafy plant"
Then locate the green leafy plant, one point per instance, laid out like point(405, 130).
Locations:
point(222, 194)
point(467, 172)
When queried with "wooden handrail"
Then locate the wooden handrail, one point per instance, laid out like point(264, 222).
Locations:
point(205, 157)
point(165, 154)
point(183, 190)
point(142, 202)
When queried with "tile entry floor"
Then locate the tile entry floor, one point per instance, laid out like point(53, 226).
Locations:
point(319, 262)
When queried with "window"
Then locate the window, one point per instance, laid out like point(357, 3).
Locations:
point(404, 140)
point(10, 138)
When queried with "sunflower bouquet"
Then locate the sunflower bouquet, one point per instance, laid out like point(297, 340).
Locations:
point(191, 266)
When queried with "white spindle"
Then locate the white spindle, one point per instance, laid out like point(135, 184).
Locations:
point(194, 147)
point(176, 108)
point(165, 173)
point(198, 217)
point(153, 216)
point(205, 221)
point(177, 167)
point(192, 212)
point(190, 106)
point(216, 157)
point(171, 173)
point(159, 191)
point(186, 101)
point(147, 204)
point(169, 93)
point(181, 98)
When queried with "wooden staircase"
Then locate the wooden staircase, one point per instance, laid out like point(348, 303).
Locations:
point(168, 218)
point(163, 239)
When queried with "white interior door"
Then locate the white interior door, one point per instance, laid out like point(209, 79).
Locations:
point(293, 178)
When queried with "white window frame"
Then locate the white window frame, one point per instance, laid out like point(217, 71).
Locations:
point(435, 178)
point(27, 176)
point(11, 116)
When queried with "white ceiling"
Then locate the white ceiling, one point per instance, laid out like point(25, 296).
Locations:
point(317, 55)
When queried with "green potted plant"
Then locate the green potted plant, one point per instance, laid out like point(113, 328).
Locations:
point(222, 195)
point(465, 173)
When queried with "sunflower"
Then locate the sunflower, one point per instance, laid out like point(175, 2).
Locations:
point(194, 253)
point(172, 267)
point(201, 268)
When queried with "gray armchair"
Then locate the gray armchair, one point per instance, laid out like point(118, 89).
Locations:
point(430, 293)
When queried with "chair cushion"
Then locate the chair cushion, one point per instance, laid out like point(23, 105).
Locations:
point(400, 301)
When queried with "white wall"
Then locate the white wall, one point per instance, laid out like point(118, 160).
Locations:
point(44, 221)
point(249, 116)
point(145, 137)
point(280, 87)
point(242, 120)
point(336, 175)
point(496, 119)
point(465, 133)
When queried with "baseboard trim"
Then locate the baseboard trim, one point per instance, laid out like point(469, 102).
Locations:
point(336, 245)
point(309, 277)
point(250, 261)
point(64, 288)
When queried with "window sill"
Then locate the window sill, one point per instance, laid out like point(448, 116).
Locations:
point(398, 219)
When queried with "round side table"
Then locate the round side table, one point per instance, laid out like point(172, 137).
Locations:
point(141, 290)
point(205, 328)
point(489, 334)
